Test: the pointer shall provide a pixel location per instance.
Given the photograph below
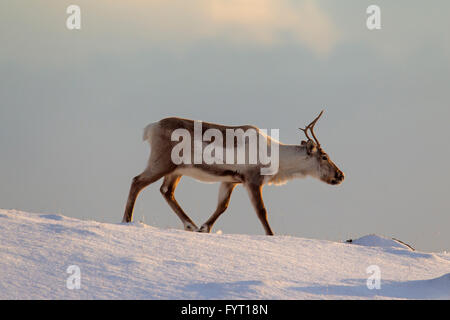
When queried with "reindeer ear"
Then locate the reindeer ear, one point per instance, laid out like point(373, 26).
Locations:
point(310, 147)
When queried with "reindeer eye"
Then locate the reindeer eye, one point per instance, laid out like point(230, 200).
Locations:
point(325, 158)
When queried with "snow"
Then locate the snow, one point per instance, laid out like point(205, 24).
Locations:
point(374, 240)
point(137, 261)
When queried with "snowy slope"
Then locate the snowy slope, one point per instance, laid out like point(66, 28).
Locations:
point(137, 261)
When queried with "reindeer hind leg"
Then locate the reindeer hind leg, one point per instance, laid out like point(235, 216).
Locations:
point(155, 170)
point(168, 191)
point(139, 182)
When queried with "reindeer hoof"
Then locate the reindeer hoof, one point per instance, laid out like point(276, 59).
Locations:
point(204, 229)
point(190, 227)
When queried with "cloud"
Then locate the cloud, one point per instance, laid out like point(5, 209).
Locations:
point(120, 27)
point(269, 22)
point(252, 22)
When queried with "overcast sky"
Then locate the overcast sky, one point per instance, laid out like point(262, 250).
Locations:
point(74, 103)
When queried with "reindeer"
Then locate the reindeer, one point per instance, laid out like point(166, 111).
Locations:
point(295, 161)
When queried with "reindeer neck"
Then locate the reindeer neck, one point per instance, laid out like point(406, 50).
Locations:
point(294, 163)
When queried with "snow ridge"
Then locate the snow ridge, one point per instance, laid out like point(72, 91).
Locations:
point(137, 261)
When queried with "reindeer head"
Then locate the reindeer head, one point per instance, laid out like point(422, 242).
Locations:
point(323, 168)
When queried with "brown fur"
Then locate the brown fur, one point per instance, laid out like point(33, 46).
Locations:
point(306, 159)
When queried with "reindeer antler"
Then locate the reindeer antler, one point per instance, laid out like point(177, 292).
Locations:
point(311, 128)
point(306, 132)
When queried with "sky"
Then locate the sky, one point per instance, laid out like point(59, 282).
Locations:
point(74, 103)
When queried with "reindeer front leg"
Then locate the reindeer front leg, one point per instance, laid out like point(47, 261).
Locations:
point(226, 188)
point(255, 194)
